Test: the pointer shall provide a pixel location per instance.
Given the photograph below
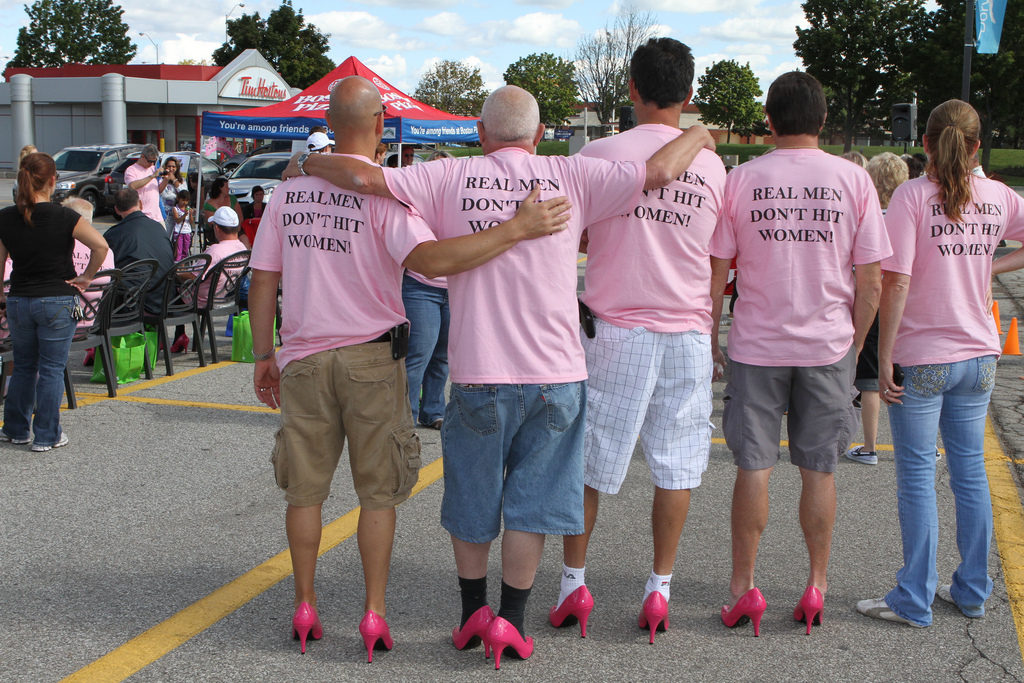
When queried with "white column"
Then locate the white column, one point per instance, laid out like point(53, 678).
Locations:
point(115, 116)
point(22, 123)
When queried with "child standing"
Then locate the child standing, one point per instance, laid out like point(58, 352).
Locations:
point(181, 214)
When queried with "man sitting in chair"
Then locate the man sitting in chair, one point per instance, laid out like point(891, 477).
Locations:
point(225, 226)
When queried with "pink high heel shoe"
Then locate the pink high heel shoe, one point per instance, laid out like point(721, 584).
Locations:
point(810, 608)
point(474, 630)
point(376, 634)
point(576, 607)
point(751, 605)
point(501, 634)
point(654, 614)
point(306, 624)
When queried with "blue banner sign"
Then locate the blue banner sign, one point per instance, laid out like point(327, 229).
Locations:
point(989, 25)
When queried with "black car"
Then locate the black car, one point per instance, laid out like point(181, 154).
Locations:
point(191, 165)
point(82, 171)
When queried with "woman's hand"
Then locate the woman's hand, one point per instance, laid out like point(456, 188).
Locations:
point(888, 390)
point(81, 282)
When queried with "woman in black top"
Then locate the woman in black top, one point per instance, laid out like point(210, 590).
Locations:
point(39, 236)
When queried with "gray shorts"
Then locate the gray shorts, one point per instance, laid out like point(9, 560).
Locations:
point(818, 401)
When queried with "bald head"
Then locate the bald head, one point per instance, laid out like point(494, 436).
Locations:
point(355, 103)
point(510, 115)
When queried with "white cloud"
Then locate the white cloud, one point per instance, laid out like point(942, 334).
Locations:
point(550, 4)
point(536, 28)
point(444, 24)
point(493, 77)
point(696, 6)
point(757, 28)
point(392, 68)
point(410, 4)
point(187, 47)
point(361, 29)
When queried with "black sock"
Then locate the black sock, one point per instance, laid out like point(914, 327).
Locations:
point(474, 596)
point(513, 605)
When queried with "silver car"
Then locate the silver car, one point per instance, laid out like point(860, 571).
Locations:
point(264, 170)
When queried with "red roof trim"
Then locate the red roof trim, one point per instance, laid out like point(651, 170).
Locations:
point(167, 72)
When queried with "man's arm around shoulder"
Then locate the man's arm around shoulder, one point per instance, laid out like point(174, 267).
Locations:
point(347, 173)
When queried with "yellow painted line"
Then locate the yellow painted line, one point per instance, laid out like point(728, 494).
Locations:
point(1008, 523)
point(195, 404)
point(581, 260)
point(150, 383)
point(153, 644)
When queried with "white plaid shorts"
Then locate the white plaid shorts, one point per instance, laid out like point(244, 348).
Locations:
point(653, 386)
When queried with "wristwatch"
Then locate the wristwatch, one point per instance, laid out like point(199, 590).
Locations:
point(300, 162)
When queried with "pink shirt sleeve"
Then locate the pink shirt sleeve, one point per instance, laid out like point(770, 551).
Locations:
point(723, 240)
point(1014, 216)
point(871, 244)
point(613, 187)
point(417, 186)
point(266, 250)
point(901, 222)
point(404, 230)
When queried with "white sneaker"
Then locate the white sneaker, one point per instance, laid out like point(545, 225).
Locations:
point(876, 608)
point(945, 593)
point(63, 441)
point(9, 439)
point(862, 456)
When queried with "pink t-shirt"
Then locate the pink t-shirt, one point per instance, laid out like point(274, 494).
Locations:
point(148, 193)
point(439, 282)
point(514, 320)
point(946, 318)
point(797, 221)
point(339, 254)
point(218, 252)
point(80, 257)
point(650, 267)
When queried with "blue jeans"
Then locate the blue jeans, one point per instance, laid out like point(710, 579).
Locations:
point(513, 452)
point(41, 331)
point(952, 398)
point(427, 363)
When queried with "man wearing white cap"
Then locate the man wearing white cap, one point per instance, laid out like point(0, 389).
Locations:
point(225, 227)
point(319, 143)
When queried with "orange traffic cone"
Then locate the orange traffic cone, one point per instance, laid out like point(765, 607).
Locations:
point(1012, 345)
point(995, 315)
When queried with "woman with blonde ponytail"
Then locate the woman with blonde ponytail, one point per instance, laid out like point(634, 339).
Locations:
point(935, 325)
point(39, 236)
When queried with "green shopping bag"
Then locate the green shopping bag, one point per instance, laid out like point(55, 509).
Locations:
point(129, 357)
point(241, 340)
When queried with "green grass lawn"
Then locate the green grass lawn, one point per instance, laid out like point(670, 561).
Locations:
point(1008, 163)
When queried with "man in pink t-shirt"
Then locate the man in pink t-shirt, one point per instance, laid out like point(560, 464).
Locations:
point(513, 430)
point(145, 178)
point(797, 220)
point(649, 363)
point(339, 376)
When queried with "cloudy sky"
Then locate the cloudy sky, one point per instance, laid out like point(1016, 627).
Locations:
point(401, 39)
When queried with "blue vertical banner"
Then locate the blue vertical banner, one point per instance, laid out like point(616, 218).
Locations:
point(989, 25)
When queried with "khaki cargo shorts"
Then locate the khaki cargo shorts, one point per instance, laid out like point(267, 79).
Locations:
point(359, 393)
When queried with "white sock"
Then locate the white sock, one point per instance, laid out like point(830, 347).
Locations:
point(659, 583)
point(572, 578)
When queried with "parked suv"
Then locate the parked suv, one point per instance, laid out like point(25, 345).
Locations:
point(82, 171)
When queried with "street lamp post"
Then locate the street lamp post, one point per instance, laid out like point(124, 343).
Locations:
point(237, 5)
point(155, 46)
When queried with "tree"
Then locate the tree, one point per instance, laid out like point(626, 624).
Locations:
point(551, 79)
point(996, 80)
point(726, 96)
point(602, 60)
point(453, 87)
point(73, 31)
point(296, 49)
point(858, 50)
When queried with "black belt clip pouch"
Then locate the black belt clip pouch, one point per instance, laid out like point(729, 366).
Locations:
point(400, 341)
point(587, 320)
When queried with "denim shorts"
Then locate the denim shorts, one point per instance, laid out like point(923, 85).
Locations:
point(513, 450)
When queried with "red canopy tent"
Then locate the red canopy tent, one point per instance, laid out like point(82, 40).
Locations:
point(406, 120)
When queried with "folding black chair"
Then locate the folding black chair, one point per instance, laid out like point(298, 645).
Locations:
point(96, 309)
point(224, 280)
point(180, 304)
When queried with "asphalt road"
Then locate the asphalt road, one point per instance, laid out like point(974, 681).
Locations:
point(151, 547)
